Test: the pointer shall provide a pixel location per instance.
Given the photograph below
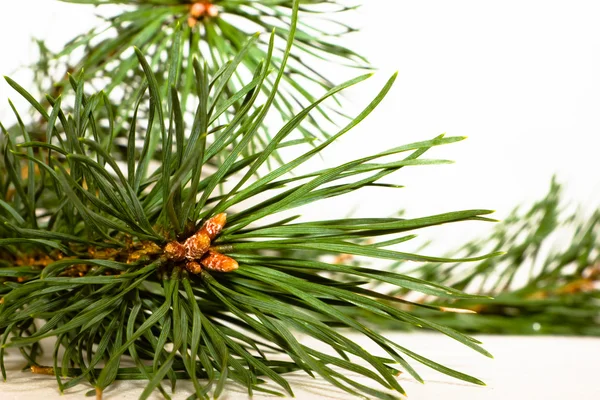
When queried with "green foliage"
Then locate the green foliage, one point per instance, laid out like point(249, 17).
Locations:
point(105, 58)
point(539, 286)
point(82, 235)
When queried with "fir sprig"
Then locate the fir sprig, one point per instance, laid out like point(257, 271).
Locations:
point(83, 239)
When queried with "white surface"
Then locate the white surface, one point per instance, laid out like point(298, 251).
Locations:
point(528, 368)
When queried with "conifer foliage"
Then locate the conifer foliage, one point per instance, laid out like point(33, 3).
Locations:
point(183, 256)
point(539, 286)
point(215, 33)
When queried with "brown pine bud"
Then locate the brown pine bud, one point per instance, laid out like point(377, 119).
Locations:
point(193, 267)
point(175, 251)
point(214, 225)
point(215, 261)
point(196, 249)
point(197, 10)
point(196, 245)
point(192, 22)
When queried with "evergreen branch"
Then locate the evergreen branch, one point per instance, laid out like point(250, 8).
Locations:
point(181, 31)
point(141, 259)
point(538, 288)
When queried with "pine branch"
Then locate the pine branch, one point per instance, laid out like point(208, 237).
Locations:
point(537, 288)
point(89, 245)
point(173, 33)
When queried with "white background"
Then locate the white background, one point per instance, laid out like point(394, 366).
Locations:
point(521, 79)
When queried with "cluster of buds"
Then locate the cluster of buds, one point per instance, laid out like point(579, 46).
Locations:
point(196, 251)
point(200, 10)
